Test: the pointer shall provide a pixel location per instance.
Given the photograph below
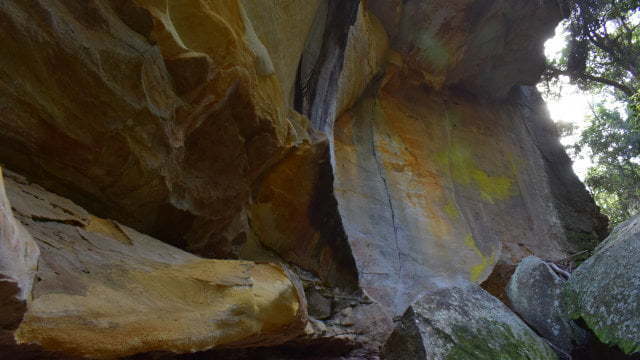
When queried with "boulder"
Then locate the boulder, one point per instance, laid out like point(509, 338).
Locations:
point(604, 291)
point(463, 322)
point(104, 290)
point(534, 293)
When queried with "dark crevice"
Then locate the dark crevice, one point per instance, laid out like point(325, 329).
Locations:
point(316, 91)
point(597, 350)
point(325, 217)
point(315, 95)
point(66, 222)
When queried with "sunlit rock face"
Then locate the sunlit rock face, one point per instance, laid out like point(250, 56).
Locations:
point(378, 149)
point(434, 186)
point(103, 290)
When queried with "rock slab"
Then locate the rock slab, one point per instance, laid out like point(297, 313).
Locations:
point(463, 322)
point(103, 290)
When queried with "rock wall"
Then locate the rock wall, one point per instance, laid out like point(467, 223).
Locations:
point(377, 149)
point(436, 186)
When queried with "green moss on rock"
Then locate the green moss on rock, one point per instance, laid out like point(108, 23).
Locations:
point(604, 290)
point(463, 322)
point(496, 341)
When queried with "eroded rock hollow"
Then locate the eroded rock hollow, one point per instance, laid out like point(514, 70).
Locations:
point(189, 175)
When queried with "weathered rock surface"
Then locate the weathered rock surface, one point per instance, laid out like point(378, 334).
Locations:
point(294, 214)
point(18, 263)
point(463, 322)
point(103, 290)
point(535, 294)
point(136, 113)
point(605, 289)
point(464, 42)
point(434, 186)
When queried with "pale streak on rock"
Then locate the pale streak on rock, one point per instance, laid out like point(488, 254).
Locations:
point(18, 264)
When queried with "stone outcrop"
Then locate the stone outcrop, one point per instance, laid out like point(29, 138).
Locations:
point(535, 293)
point(138, 115)
point(424, 183)
point(463, 322)
point(603, 291)
point(377, 149)
point(103, 290)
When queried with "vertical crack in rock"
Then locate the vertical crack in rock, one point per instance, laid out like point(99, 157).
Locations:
point(387, 193)
point(454, 188)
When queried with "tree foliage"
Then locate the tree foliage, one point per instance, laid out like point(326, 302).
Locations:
point(603, 55)
point(615, 178)
point(604, 45)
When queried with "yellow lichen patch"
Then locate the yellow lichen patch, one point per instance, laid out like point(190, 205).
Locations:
point(492, 187)
point(452, 210)
point(464, 170)
point(476, 271)
point(181, 308)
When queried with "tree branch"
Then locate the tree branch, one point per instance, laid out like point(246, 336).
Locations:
point(628, 91)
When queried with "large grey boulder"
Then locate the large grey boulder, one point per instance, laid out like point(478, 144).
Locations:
point(535, 292)
point(604, 291)
point(463, 322)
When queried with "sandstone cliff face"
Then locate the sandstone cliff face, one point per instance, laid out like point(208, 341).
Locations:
point(432, 187)
point(379, 149)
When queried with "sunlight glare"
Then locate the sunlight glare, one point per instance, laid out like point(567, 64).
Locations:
point(572, 106)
